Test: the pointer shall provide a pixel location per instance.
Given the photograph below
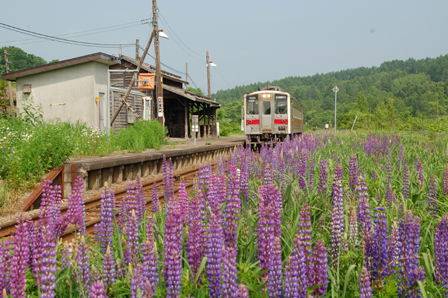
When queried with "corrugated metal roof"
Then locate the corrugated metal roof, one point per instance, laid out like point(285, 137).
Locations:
point(191, 96)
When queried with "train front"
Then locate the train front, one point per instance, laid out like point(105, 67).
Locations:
point(266, 116)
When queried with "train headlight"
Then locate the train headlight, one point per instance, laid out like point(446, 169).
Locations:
point(269, 95)
point(264, 95)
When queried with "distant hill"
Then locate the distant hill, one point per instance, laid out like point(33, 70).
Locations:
point(410, 85)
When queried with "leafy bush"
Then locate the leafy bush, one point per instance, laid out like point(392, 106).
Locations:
point(142, 135)
point(226, 127)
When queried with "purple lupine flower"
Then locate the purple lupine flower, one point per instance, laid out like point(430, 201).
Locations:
point(243, 292)
point(353, 179)
point(420, 173)
point(364, 284)
point(432, 196)
point(141, 202)
point(215, 242)
point(405, 179)
point(376, 252)
point(302, 170)
point(149, 257)
point(3, 267)
point(222, 189)
point(364, 210)
point(137, 281)
point(311, 174)
point(47, 267)
point(267, 174)
point(353, 228)
point(296, 280)
point(388, 184)
point(66, 255)
point(83, 264)
point(303, 238)
point(337, 222)
point(183, 201)
point(337, 176)
point(374, 175)
point(393, 248)
point(132, 243)
point(400, 157)
point(122, 216)
point(323, 180)
point(409, 244)
point(232, 210)
point(106, 225)
point(275, 279)
point(109, 273)
point(213, 199)
point(229, 277)
point(155, 199)
point(173, 246)
point(20, 258)
point(97, 290)
point(79, 212)
point(320, 272)
point(441, 253)
point(194, 248)
point(445, 181)
point(282, 173)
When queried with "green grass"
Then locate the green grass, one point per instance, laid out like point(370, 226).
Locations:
point(32, 148)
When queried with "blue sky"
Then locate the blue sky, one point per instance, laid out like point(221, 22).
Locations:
point(250, 41)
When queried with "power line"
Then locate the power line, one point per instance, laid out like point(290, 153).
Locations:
point(178, 36)
point(63, 40)
point(172, 69)
point(183, 48)
point(223, 78)
point(80, 33)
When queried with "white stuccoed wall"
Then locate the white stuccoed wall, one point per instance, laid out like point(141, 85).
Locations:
point(76, 86)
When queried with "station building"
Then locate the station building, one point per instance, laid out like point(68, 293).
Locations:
point(91, 88)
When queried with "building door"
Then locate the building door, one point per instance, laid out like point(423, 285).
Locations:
point(103, 111)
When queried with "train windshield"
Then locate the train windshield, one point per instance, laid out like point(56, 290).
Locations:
point(281, 106)
point(252, 105)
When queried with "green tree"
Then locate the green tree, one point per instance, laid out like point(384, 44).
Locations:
point(361, 103)
point(19, 59)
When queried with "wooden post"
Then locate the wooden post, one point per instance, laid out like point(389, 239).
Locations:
point(209, 113)
point(208, 76)
point(11, 100)
point(158, 69)
point(124, 102)
point(137, 51)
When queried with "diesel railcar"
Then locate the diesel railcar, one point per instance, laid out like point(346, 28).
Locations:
point(271, 114)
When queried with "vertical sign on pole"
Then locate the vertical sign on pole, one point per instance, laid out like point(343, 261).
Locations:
point(195, 126)
point(335, 90)
point(160, 107)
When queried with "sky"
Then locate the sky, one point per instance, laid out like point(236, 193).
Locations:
point(249, 41)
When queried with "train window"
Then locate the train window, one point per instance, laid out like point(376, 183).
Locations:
point(266, 107)
point(252, 105)
point(281, 106)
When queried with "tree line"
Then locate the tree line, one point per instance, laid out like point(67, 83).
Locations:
point(402, 90)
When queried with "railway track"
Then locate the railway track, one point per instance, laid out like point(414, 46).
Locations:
point(93, 202)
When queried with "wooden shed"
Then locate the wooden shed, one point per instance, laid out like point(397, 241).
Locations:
point(179, 104)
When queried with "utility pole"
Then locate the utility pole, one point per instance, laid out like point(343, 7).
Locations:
point(186, 77)
point(335, 90)
point(159, 86)
point(11, 100)
point(137, 51)
point(208, 76)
